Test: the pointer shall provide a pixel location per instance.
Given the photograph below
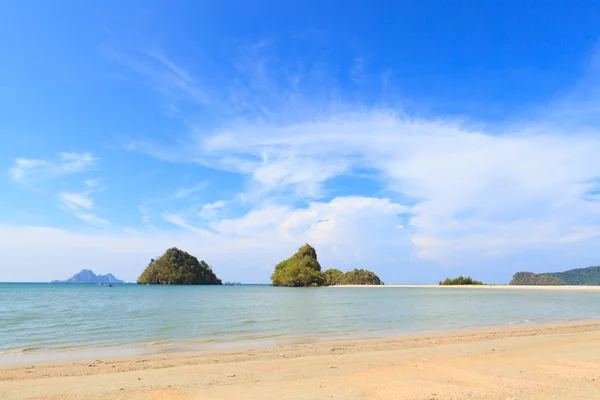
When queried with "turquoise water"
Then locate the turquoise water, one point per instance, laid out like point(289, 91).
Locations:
point(54, 317)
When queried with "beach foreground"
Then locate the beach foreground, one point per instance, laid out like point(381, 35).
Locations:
point(536, 362)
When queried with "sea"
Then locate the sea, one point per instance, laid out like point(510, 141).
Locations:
point(42, 321)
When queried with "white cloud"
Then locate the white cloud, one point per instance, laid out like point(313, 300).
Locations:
point(180, 221)
point(74, 201)
point(92, 183)
point(188, 191)
point(131, 231)
point(474, 192)
point(68, 163)
point(163, 74)
point(470, 193)
point(255, 222)
point(146, 218)
point(243, 249)
point(80, 205)
point(93, 219)
point(209, 210)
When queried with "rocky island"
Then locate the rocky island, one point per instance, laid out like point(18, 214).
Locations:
point(176, 267)
point(303, 269)
point(87, 276)
point(529, 278)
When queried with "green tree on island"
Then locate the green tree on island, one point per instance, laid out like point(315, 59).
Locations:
point(303, 269)
point(360, 277)
point(334, 277)
point(176, 267)
point(460, 280)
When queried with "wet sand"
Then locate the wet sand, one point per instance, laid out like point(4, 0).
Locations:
point(534, 362)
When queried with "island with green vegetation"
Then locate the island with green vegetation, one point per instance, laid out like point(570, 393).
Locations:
point(589, 276)
point(460, 280)
point(529, 278)
point(176, 267)
point(303, 269)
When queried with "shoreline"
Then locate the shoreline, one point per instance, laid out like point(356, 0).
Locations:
point(546, 361)
point(14, 359)
point(484, 286)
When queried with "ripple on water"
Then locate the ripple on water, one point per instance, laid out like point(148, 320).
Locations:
point(58, 317)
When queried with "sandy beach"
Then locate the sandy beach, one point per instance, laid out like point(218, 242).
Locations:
point(476, 287)
point(534, 362)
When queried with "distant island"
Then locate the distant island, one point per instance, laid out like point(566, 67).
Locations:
point(529, 278)
point(460, 280)
point(589, 276)
point(87, 276)
point(303, 269)
point(176, 267)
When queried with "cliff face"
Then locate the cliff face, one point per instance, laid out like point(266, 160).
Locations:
point(176, 267)
point(88, 276)
point(529, 278)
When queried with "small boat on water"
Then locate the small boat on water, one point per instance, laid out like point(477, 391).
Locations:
point(111, 285)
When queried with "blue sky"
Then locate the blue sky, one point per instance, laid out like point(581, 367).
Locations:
point(417, 139)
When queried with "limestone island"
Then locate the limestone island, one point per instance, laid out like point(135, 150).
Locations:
point(176, 267)
point(88, 276)
point(303, 269)
point(531, 279)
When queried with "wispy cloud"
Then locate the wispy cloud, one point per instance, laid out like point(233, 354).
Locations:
point(210, 210)
point(475, 192)
point(186, 192)
point(80, 204)
point(25, 169)
point(74, 201)
point(163, 74)
point(180, 221)
point(92, 183)
point(93, 219)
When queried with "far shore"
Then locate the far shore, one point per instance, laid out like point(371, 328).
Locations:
point(543, 362)
point(490, 287)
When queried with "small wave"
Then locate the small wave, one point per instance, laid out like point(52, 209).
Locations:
point(30, 349)
point(519, 322)
point(249, 321)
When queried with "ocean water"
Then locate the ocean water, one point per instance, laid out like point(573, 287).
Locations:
point(56, 317)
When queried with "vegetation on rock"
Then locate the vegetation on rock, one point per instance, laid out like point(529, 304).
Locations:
point(176, 267)
point(529, 278)
point(589, 276)
point(360, 277)
point(334, 276)
point(303, 269)
point(460, 280)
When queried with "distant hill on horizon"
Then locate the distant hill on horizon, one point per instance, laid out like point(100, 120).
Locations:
point(88, 276)
point(589, 276)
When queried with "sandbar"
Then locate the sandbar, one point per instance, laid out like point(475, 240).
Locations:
point(477, 287)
